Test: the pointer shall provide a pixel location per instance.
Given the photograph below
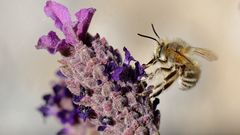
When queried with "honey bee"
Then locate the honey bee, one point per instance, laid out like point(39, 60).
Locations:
point(175, 58)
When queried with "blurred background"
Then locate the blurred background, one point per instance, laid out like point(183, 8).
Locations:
point(211, 108)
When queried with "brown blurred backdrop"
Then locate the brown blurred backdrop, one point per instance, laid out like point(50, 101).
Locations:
point(211, 108)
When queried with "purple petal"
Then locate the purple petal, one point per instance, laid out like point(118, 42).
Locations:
point(76, 99)
point(84, 17)
point(63, 131)
point(58, 13)
point(116, 73)
point(102, 128)
point(110, 66)
point(85, 112)
point(57, 88)
point(63, 116)
point(139, 70)
point(128, 57)
point(60, 74)
point(45, 110)
point(70, 34)
point(49, 42)
point(47, 98)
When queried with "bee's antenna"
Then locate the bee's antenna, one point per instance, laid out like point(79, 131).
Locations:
point(148, 37)
point(155, 31)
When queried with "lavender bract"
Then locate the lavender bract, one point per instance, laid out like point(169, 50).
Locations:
point(73, 31)
point(106, 90)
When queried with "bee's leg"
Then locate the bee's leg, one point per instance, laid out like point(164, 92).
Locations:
point(151, 62)
point(168, 80)
point(151, 75)
point(167, 69)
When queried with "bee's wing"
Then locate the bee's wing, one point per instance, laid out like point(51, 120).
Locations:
point(207, 54)
point(180, 57)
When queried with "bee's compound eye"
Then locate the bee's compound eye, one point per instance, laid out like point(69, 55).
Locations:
point(161, 53)
point(157, 52)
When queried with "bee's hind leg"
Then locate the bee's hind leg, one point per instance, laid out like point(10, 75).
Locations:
point(151, 75)
point(168, 81)
point(158, 70)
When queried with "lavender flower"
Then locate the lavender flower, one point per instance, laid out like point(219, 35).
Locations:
point(106, 90)
point(59, 105)
point(117, 98)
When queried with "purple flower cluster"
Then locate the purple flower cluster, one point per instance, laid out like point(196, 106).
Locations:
point(60, 104)
point(114, 86)
point(125, 72)
point(105, 89)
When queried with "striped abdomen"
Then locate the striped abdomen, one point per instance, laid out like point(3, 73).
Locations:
point(189, 77)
